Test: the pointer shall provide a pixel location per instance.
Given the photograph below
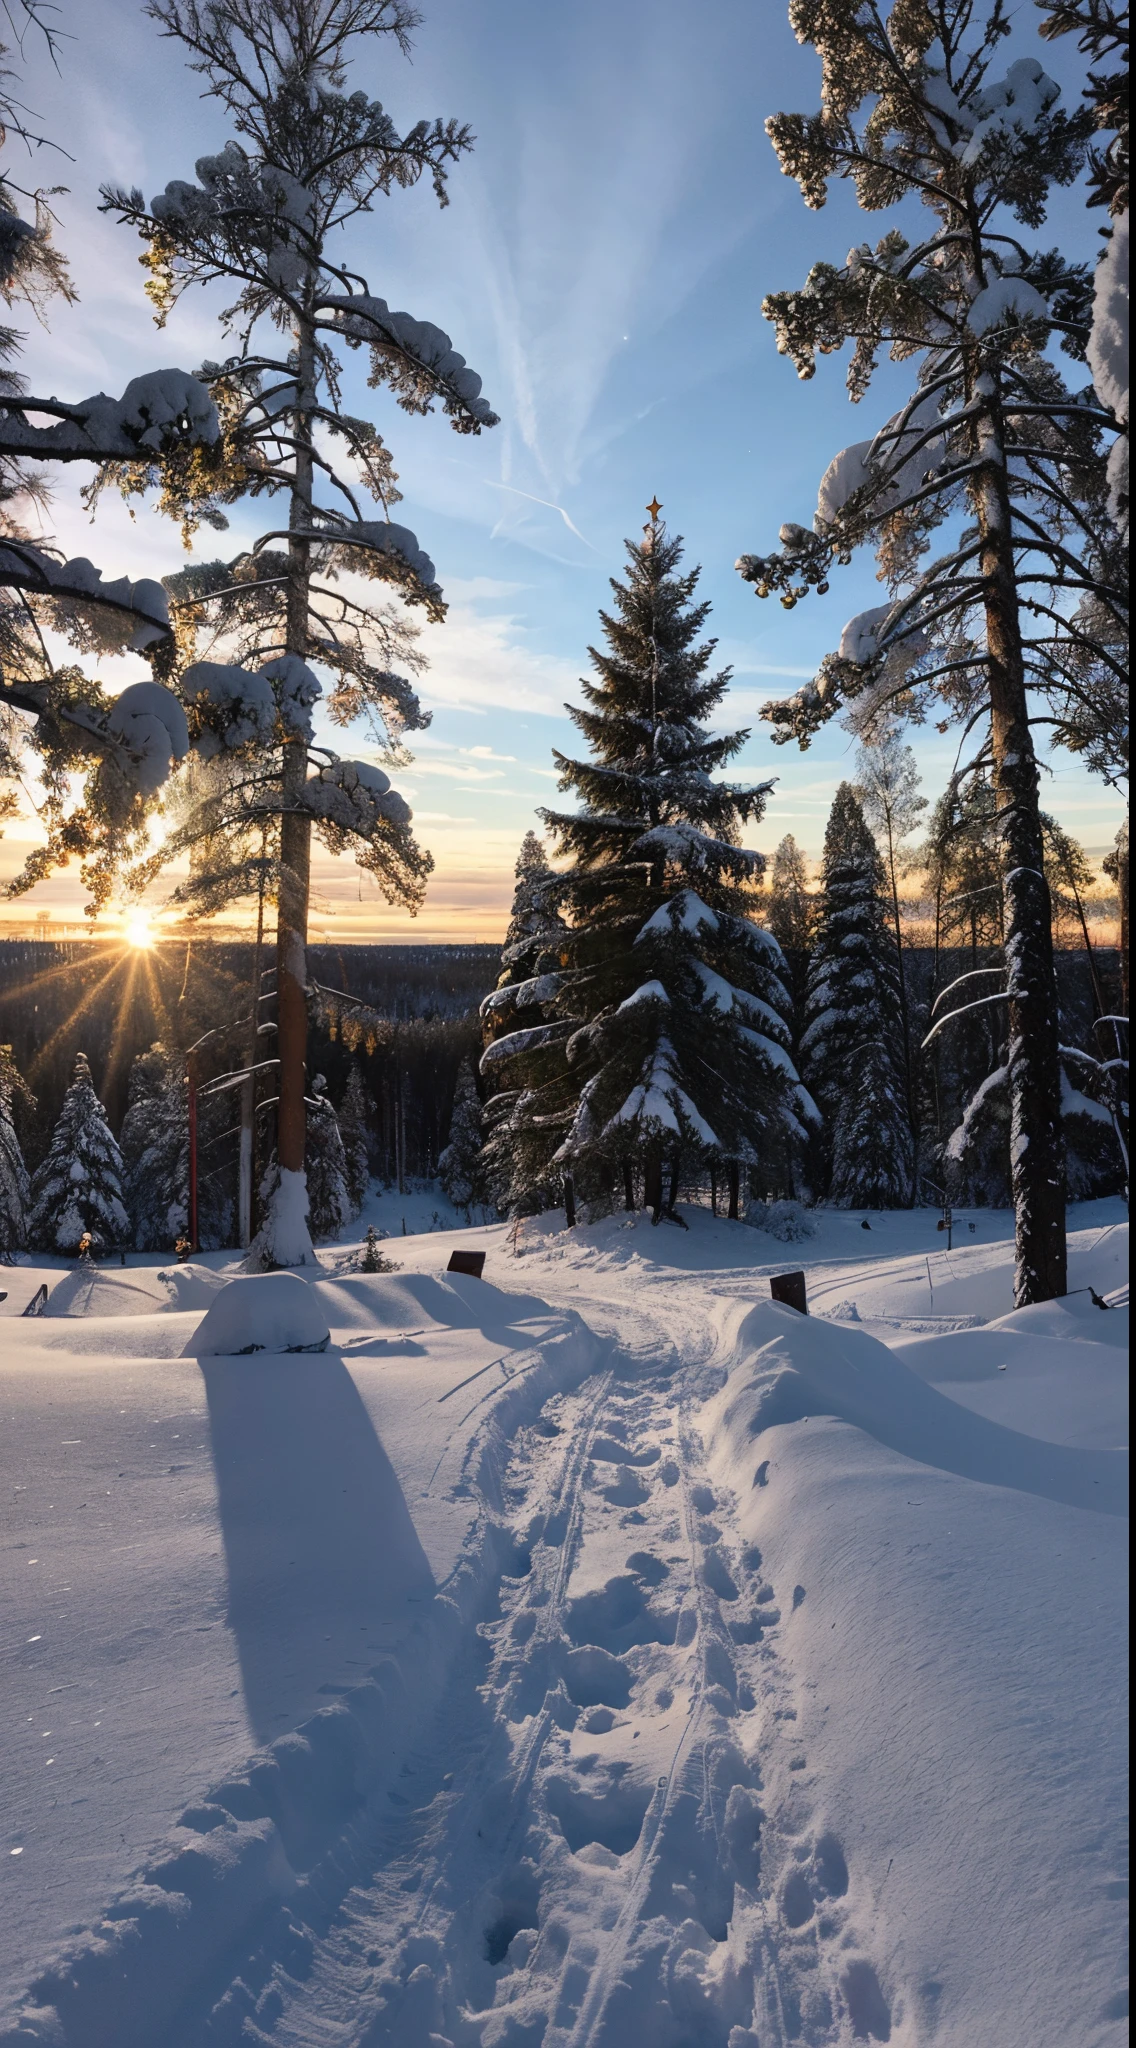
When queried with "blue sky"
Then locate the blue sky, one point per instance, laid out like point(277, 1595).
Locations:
point(602, 265)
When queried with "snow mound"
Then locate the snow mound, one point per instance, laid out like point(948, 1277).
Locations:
point(802, 1367)
point(407, 1301)
point(1076, 1317)
point(262, 1312)
point(191, 1286)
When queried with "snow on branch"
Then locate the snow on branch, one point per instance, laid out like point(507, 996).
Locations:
point(416, 358)
point(355, 797)
point(77, 582)
point(981, 1003)
point(160, 410)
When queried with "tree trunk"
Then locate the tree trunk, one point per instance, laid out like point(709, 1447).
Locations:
point(295, 826)
point(733, 1182)
point(653, 1185)
point(569, 1202)
point(672, 1196)
point(1037, 1151)
point(713, 1192)
point(628, 1186)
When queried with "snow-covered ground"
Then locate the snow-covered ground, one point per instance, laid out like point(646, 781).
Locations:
point(598, 1653)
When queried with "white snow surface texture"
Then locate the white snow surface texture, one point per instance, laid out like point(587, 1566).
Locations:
point(595, 1654)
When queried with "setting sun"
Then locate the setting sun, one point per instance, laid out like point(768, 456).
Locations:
point(139, 932)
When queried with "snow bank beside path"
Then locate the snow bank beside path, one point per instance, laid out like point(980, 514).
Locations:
point(944, 1724)
point(234, 1586)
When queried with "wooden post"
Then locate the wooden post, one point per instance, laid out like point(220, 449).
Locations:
point(733, 1177)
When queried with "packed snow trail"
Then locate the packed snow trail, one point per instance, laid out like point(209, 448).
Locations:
point(573, 1837)
point(718, 1728)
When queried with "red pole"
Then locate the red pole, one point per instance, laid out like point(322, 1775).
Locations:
point(192, 1088)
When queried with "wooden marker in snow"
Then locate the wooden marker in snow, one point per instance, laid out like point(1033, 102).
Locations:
point(472, 1263)
point(789, 1289)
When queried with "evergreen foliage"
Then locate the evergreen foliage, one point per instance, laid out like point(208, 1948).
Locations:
point(15, 1185)
point(354, 1129)
point(669, 1002)
point(325, 1163)
point(1028, 591)
point(154, 1142)
point(461, 1168)
point(78, 1191)
point(790, 908)
point(852, 1042)
point(99, 759)
point(517, 1165)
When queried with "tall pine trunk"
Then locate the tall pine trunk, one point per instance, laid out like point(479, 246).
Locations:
point(295, 828)
point(1037, 1150)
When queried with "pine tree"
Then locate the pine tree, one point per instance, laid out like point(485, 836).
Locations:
point(791, 916)
point(991, 443)
point(887, 786)
point(791, 909)
point(265, 215)
point(517, 1164)
point(14, 1181)
point(354, 1129)
point(77, 1192)
point(852, 1043)
point(325, 1163)
point(670, 999)
point(461, 1168)
point(154, 1142)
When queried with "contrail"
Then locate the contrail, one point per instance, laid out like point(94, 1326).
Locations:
point(548, 505)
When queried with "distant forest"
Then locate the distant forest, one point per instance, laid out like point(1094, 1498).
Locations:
point(60, 998)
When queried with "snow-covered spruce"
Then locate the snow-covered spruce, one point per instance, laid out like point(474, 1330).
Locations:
point(77, 1191)
point(154, 1142)
point(461, 1168)
point(325, 1207)
point(852, 1044)
point(265, 213)
point(672, 1001)
point(977, 1154)
point(325, 1163)
point(519, 1146)
point(15, 1185)
point(991, 446)
point(354, 1128)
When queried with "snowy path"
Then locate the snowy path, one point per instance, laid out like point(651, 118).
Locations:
point(719, 1725)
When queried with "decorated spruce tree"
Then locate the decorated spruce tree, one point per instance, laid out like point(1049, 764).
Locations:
point(294, 618)
point(14, 1181)
point(519, 1147)
point(461, 1167)
point(77, 1193)
point(985, 494)
point(669, 1002)
point(154, 1142)
point(354, 1129)
point(852, 1044)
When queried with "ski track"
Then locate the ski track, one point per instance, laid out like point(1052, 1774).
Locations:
point(474, 1907)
